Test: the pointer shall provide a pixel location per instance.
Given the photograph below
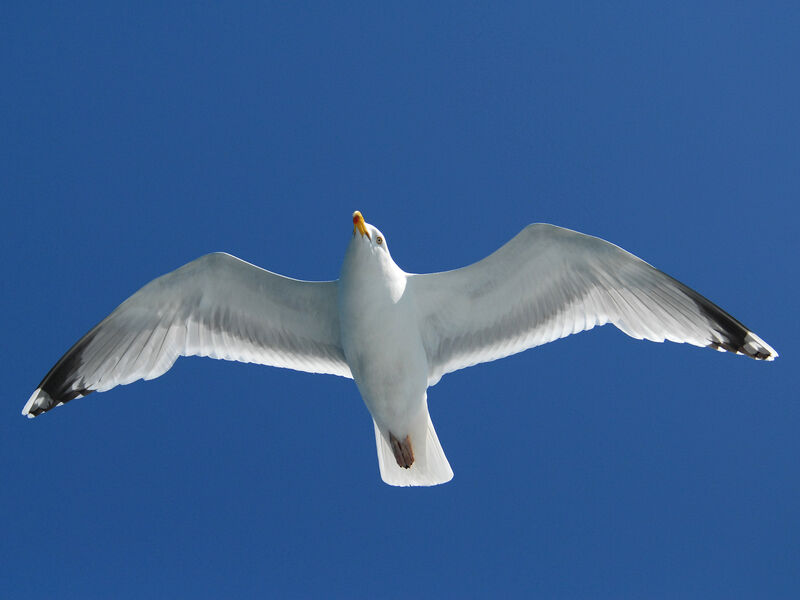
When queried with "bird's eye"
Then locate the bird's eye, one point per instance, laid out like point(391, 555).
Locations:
point(379, 239)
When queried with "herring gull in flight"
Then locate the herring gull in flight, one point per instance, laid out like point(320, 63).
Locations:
point(394, 333)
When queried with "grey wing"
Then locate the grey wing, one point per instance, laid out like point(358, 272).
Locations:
point(217, 306)
point(549, 282)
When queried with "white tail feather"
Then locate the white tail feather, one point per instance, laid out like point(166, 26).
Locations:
point(430, 464)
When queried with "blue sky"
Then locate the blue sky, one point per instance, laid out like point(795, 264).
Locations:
point(136, 139)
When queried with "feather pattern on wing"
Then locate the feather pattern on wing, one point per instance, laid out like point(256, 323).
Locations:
point(549, 282)
point(217, 306)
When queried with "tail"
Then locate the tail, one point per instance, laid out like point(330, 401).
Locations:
point(429, 467)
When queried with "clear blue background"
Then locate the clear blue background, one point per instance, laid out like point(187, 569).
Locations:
point(136, 139)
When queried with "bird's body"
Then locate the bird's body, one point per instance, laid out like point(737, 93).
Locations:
point(383, 346)
point(393, 332)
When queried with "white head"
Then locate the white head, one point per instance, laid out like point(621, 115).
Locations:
point(368, 263)
point(368, 237)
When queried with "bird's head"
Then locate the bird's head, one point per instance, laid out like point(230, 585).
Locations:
point(368, 263)
point(367, 237)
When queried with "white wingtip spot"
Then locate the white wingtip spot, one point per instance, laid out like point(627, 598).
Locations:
point(37, 399)
point(756, 345)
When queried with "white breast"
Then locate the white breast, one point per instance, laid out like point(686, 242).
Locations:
point(380, 337)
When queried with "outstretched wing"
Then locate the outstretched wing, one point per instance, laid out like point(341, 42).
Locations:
point(217, 306)
point(549, 282)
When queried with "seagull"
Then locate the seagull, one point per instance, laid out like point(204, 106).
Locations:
point(394, 333)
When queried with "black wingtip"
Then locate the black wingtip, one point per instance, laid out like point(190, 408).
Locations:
point(732, 335)
point(61, 383)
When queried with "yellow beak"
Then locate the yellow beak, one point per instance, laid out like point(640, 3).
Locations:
point(359, 225)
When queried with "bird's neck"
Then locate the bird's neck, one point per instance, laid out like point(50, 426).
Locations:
point(373, 272)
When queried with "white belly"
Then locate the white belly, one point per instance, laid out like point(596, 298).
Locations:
point(383, 347)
